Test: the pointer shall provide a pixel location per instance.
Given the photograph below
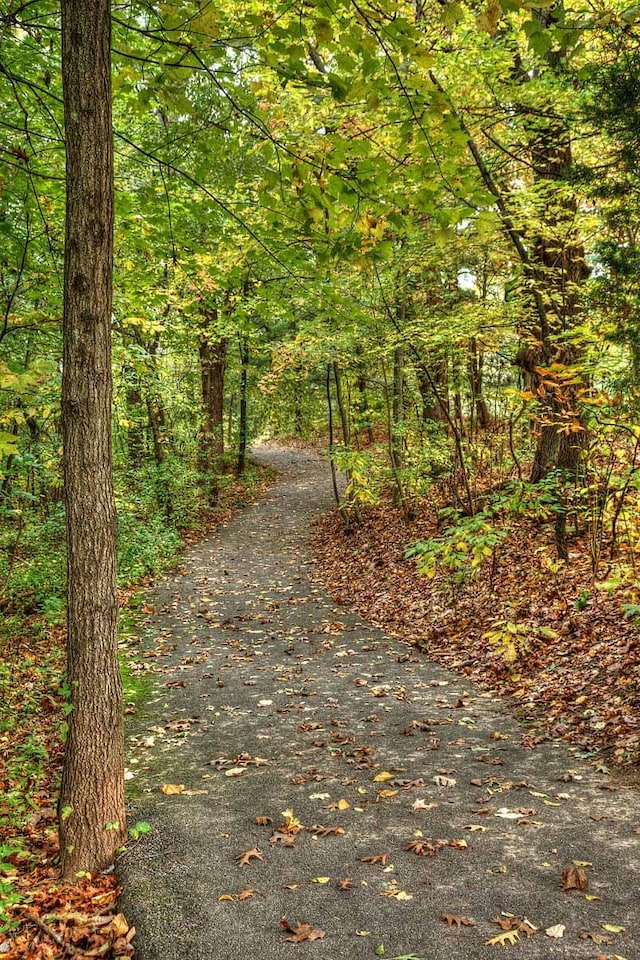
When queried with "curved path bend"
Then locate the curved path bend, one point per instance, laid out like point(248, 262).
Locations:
point(267, 697)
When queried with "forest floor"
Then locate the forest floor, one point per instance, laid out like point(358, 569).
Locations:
point(573, 671)
point(308, 778)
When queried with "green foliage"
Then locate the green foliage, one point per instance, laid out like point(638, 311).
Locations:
point(464, 546)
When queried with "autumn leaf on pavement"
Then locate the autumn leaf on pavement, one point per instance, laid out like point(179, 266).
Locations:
point(291, 823)
point(171, 789)
point(246, 894)
point(574, 878)
point(421, 848)
point(301, 932)
point(345, 884)
point(380, 858)
point(502, 939)
point(595, 936)
point(263, 821)
point(283, 839)
point(244, 859)
point(318, 830)
point(453, 920)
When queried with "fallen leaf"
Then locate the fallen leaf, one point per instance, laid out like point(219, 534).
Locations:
point(444, 781)
point(574, 878)
point(556, 932)
point(321, 880)
point(453, 920)
point(595, 936)
point(345, 884)
point(383, 776)
point(301, 932)
point(612, 927)
point(343, 804)
point(244, 859)
point(263, 821)
point(246, 894)
point(225, 896)
point(380, 858)
point(502, 939)
point(170, 789)
point(235, 772)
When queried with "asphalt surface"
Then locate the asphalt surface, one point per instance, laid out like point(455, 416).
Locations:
point(270, 701)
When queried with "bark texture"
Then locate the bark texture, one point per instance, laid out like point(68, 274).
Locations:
point(213, 361)
point(92, 818)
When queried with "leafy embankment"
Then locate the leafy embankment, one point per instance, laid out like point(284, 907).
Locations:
point(530, 628)
point(41, 916)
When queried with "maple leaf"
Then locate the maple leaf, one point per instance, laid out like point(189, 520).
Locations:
point(244, 859)
point(380, 858)
point(453, 920)
point(574, 878)
point(301, 931)
point(345, 884)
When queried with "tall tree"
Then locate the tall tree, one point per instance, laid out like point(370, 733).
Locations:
point(92, 819)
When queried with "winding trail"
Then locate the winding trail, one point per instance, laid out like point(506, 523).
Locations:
point(251, 659)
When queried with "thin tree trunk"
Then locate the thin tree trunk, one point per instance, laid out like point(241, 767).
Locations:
point(91, 804)
point(213, 355)
point(242, 420)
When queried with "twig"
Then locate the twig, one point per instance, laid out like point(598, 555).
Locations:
point(57, 939)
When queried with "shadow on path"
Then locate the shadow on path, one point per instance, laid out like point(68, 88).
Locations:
point(253, 662)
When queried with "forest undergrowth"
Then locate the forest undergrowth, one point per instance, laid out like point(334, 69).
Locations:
point(520, 624)
point(46, 917)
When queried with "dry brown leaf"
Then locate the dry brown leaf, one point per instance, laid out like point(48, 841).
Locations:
point(263, 821)
point(246, 893)
point(574, 878)
point(453, 920)
point(345, 884)
point(318, 830)
point(283, 839)
point(244, 859)
point(301, 931)
point(380, 858)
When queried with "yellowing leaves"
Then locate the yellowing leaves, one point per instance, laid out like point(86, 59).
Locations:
point(172, 789)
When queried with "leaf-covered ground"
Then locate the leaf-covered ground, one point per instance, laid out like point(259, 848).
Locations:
point(40, 917)
point(578, 679)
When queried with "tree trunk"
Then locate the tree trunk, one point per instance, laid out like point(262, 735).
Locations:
point(213, 355)
point(91, 803)
point(397, 440)
point(476, 371)
point(242, 419)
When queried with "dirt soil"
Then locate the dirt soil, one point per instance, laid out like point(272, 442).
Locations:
point(315, 785)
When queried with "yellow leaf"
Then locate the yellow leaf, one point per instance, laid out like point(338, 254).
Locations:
point(383, 776)
point(226, 896)
point(321, 880)
point(612, 927)
point(343, 804)
point(172, 788)
point(502, 939)
point(386, 794)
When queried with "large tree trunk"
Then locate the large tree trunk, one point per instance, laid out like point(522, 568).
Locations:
point(213, 357)
point(91, 804)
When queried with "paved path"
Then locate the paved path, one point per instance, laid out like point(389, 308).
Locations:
point(267, 698)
